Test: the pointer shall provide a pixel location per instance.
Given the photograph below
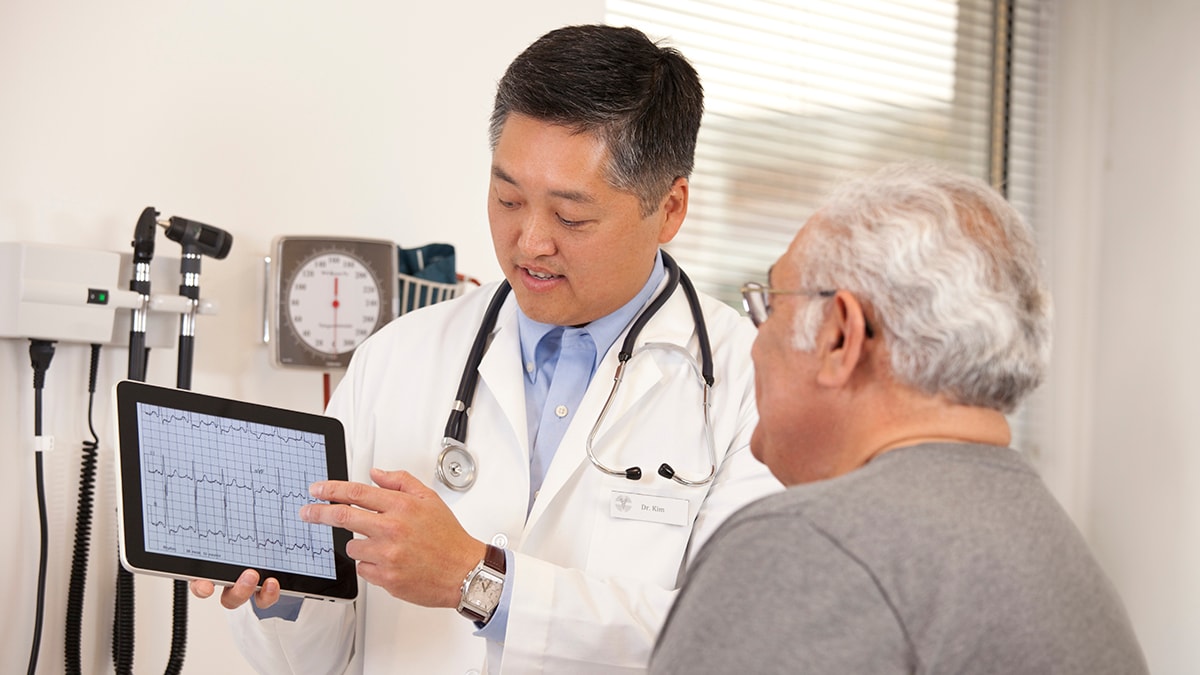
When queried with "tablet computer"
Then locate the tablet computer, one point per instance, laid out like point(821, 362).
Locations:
point(208, 487)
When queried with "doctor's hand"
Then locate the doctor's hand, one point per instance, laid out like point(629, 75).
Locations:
point(236, 595)
point(411, 544)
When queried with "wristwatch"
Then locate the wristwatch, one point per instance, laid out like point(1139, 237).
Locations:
point(482, 588)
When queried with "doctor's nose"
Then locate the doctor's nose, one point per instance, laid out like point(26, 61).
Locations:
point(536, 237)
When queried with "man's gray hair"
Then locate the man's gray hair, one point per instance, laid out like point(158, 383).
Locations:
point(952, 273)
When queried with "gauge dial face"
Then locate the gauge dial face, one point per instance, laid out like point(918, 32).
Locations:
point(332, 293)
point(333, 303)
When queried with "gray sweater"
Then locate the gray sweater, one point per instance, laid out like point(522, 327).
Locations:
point(930, 559)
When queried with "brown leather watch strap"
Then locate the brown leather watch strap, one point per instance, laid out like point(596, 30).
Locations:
point(494, 558)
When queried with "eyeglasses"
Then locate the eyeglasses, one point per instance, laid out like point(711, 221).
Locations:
point(756, 298)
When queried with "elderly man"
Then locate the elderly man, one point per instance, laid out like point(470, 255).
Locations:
point(907, 317)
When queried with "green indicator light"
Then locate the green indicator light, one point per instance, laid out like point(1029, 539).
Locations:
point(97, 296)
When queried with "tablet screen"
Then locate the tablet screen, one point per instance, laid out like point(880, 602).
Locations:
point(211, 486)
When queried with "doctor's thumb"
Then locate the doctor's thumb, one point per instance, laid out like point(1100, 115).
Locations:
point(402, 481)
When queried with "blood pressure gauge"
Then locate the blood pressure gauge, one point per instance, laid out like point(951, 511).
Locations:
point(330, 294)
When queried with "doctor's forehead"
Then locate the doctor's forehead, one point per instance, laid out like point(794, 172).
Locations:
point(580, 196)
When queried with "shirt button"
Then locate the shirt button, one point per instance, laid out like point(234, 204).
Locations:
point(529, 367)
point(500, 540)
point(561, 411)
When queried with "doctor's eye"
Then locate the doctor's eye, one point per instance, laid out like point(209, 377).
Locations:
point(566, 222)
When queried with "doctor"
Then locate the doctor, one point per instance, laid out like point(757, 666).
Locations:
point(558, 555)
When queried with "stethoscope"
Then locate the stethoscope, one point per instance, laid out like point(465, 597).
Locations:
point(456, 467)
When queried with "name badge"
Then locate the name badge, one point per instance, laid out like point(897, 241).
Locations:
point(633, 506)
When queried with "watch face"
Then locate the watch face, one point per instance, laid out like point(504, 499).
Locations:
point(484, 592)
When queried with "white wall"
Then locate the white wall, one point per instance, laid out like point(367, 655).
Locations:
point(264, 118)
point(1125, 166)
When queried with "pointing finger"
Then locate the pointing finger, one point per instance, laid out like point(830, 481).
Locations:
point(358, 494)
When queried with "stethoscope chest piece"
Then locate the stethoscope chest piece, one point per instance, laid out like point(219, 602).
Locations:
point(455, 466)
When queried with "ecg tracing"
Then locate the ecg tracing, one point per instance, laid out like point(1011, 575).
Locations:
point(217, 488)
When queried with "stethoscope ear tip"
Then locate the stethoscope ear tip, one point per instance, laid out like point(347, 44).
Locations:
point(634, 473)
point(666, 471)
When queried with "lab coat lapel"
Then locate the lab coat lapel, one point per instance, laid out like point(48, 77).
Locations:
point(672, 324)
point(501, 372)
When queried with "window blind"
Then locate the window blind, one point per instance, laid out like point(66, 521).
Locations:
point(800, 92)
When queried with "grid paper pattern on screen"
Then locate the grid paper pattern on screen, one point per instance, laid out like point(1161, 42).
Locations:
point(217, 488)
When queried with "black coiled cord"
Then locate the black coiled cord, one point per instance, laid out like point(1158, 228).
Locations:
point(179, 620)
point(122, 642)
point(83, 532)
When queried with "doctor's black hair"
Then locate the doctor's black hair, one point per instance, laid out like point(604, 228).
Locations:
point(644, 101)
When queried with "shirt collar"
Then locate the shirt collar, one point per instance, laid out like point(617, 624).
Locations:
point(604, 331)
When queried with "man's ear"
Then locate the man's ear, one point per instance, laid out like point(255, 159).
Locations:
point(674, 210)
point(842, 340)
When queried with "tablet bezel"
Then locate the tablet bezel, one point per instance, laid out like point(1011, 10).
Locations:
point(134, 556)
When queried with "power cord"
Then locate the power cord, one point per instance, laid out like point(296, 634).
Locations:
point(41, 352)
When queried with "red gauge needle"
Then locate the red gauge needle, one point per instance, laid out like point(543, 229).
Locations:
point(335, 317)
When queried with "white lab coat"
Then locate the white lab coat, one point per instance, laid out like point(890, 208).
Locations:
point(589, 590)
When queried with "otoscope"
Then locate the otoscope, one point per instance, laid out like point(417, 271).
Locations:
point(197, 240)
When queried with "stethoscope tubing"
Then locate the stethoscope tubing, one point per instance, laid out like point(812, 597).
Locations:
point(456, 466)
point(456, 424)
